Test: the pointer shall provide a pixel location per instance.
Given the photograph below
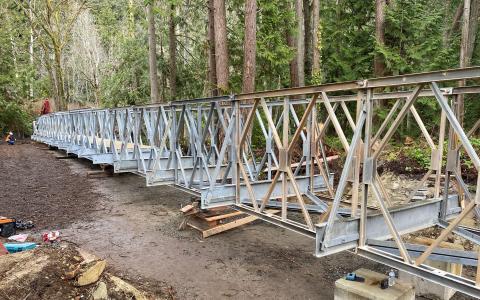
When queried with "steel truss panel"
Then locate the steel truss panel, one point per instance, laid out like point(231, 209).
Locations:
point(204, 147)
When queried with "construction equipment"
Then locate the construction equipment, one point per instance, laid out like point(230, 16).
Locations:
point(7, 227)
point(354, 277)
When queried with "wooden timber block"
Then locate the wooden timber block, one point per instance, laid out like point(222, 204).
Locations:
point(224, 216)
point(211, 227)
point(98, 174)
point(187, 208)
point(370, 289)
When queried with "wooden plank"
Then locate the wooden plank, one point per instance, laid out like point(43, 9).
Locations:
point(195, 224)
point(224, 216)
point(214, 211)
point(186, 208)
point(224, 227)
point(217, 210)
point(228, 226)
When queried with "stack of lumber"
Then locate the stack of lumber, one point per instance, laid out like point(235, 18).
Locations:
point(215, 220)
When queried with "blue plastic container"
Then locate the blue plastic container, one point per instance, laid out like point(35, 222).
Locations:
point(14, 248)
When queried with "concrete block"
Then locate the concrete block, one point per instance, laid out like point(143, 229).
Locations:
point(370, 289)
point(427, 288)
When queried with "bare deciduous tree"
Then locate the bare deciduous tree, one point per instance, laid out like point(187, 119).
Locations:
point(86, 56)
point(315, 38)
point(172, 46)
point(152, 53)
point(52, 24)
point(379, 64)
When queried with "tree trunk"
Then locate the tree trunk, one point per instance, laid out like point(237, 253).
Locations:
point(473, 30)
point(464, 60)
point(250, 46)
point(62, 105)
point(212, 72)
point(14, 56)
point(455, 24)
point(30, 48)
point(152, 54)
point(51, 76)
point(173, 53)
point(221, 48)
point(316, 37)
point(131, 19)
point(379, 64)
point(291, 42)
point(308, 39)
point(163, 80)
point(469, 30)
point(300, 42)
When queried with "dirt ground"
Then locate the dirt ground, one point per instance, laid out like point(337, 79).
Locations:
point(52, 271)
point(135, 228)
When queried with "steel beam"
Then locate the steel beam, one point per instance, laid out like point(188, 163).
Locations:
point(225, 194)
point(407, 219)
point(429, 273)
point(462, 257)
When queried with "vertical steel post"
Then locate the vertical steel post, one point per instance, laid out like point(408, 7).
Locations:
point(235, 147)
point(366, 153)
point(284, 162)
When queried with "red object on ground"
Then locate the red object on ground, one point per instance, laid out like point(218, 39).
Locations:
point(3, 250)
point(45, 107)
point(50, 236)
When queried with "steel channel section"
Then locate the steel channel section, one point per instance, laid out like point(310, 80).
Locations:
point(424, 271)
point(466, 234)
point(131, 164)
point(407, 219)
point(222, 195)
point(411, 79)
point(168, 175)
point(467, 258)
point(275, 220)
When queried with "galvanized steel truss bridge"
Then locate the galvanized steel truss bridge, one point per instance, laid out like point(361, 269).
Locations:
point(266, 149)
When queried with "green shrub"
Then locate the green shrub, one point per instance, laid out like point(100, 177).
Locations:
point(334, 143)
point(475, 143)
point(420, 155)
point(14, 118)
